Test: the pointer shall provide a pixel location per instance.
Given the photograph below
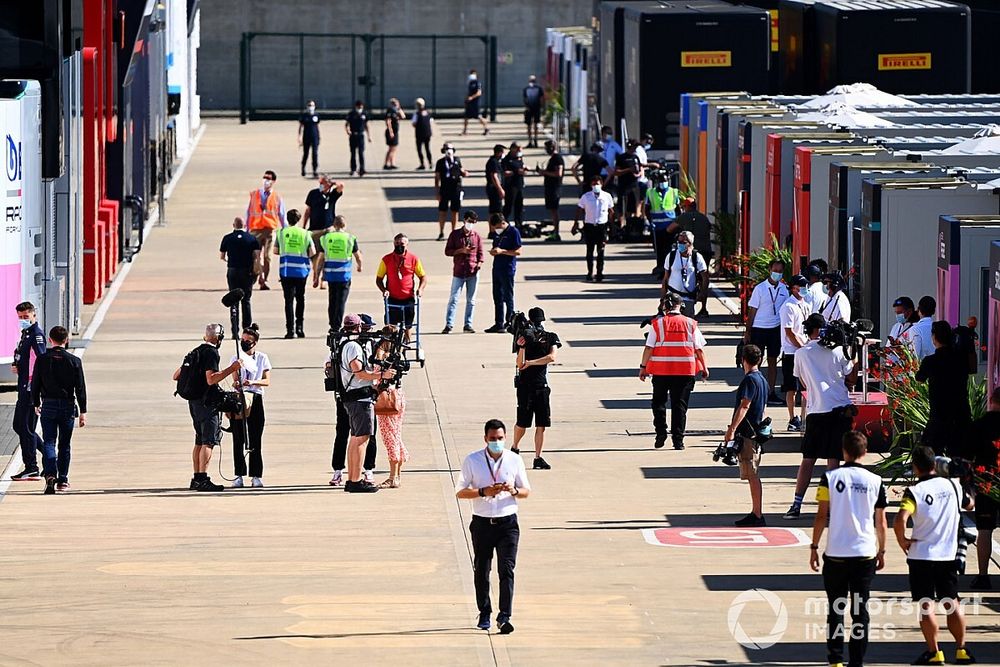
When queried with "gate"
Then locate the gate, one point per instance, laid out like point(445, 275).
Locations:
point(280, 71)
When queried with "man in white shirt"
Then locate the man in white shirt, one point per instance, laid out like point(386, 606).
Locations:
point(904, 331)
point(494, 480)
point(837, 305)
point(764, 322)
point(923, 345)
point(816, 294)
point(794, 312)
point(685, 273)
point(596, 207)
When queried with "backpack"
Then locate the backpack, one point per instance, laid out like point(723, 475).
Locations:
point(189, 386)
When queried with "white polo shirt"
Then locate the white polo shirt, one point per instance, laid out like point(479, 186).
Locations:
point(922, 343)
point(479, 470)
point(837, 307)
point(768, 299)
point(793, 316)
point(684, 271)
point(934, 503)
point(822, 373)
point(596, 207)
point(815, 296)
point(854, 494)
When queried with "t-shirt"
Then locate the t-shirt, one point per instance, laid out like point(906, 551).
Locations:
point(629, 162)
point(822, 371)
point(947, 374)
point(322, 208)
point(474, 88)
point(836, 307)
point(753, 387)
point(239, 246)
point(552, 183)
point(592, 164)
point(533, 95)
point(534, 377)
point(816, 296)
point(493, 166)
point(767, 299)
point(206, 359)
point(513, 164)
point(253, 369)
point(934, 504)
point(422, 124)
point(353, 350)
point(449, 171)
point(508, 239)
point(793, 316)
point(310, 127)
point(854, 494)
point(596, 207)
point(392, 115)
point(612, 149)
point(357, 121)
point(684, 271)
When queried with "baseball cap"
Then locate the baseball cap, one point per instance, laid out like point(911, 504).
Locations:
point(903, 302)
point(536, 315)
point(352, 320)
point(366, 320)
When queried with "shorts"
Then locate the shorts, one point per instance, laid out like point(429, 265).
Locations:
point(628, 198)
point(391, 139)
point(987, 512)
point(788, 380)
point(532, 115)
point(551, 199)
point(400, 311)
point(824, 434)
point(265, 237)
point(533, 402)
point(361, 416)
point(768, 340)
point(207, 425)
point(317, 234)
point(749, 458)
point(451, 196)
point(472, 110)
point(933, 579)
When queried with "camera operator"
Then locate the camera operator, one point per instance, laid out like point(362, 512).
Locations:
point(985, 433)
point(342, 427)
point(947, 374)
point(751, 399)
point(825, 374)
point(536, 349)
point(686, 273)
point(852, 500)
point(935, 504)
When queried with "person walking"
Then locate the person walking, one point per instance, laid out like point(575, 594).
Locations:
point(393, 114)
point(465, 247)
point(318, 216)
point(448, 174)
point(295, 247)
point(673, 357)
point(248, 435)
point(423, 130)
point(240, 250)
point(946, 373)
point(356, 128)
point(309, 137)
point(793, 314)
point(494, 180)
point(763, 327)
point(338, 254)
point(686, 273)
point(751, 399)
point(513, 185)
point(661, 211)
point(30, 347)
point(473, 97)
point(552, 177)
point(402, 280)
point(533, 96)
point(852, 501)
point(59, 397)
point(390, 418)
point(505, 251)
point(495, 480)
point(597, 208)
point(534, 355)
point(628, 170)
point(265, 216)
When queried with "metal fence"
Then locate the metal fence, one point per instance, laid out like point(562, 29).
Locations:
point(280, 71)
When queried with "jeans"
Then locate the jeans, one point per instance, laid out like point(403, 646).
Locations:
point(25, 421)
point(58, 416)
point(294, 290)
point(425, 145)
point(457, 284)
point(839, 577)
point(307, 147)
point(357, 142)
point(678, 389)
point(241, 279)
point(341, 435)
point(338, 303)
point(488, 537)
point(254, 426)
point(595, 236)
point(513, 203)
point(503, 295)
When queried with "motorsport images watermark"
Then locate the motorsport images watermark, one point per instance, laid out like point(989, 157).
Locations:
point(759, 618)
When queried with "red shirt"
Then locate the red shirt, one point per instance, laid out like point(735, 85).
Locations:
point(466, 265)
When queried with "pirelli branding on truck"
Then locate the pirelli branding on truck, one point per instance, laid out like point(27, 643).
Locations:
point(706, 58)
point(897, 61)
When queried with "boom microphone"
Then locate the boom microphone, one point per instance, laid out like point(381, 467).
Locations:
point(232, 298)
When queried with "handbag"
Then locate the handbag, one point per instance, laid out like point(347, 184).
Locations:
point(238, 413)
point(388, 402)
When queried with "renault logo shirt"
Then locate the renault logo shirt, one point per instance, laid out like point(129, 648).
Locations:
point(854, 494)
point(934, 503)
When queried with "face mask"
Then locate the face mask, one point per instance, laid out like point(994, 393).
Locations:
point(647, 146)
point(359, 109)
point(900, 318)
point(399, 249)
point(520, 153)
point(246, 345)
point(469, 226)
point(217, 343)
point(450, 153)
point(495, 446)
point(662, 187)
point(826, 290)
point(682, 247)
point(597, 189)
point(267, 183)
point(311, 108)
point(776, 277)
point(24, 324)
point(472, 77)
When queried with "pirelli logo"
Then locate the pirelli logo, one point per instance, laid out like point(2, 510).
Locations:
point(897, 61)
point(706, 58)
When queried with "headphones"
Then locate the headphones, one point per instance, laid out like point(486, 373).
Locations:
point(217, 330)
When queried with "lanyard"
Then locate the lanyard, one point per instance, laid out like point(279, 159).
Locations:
point(489, 466)
point(774, 297)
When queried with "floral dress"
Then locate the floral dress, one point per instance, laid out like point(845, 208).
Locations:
point(391, 429)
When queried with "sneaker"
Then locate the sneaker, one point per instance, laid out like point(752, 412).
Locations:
point(421, 168)
point(795, 425)
point(484, 621)
point(257, 483)
point(930, 658)
point(62, 486)
point(206, 484)
point(660, 443)
point(50, 486)
point(540, 464)
point(589, 278)
point(238, 483)
point(359, 487)
point(751, 520)
point(289, 335)
point(194, 484)
point(468, 329)
point(515, 450)
point(300, 333)
point(774, 399)
point(599, 277)
point(553, 238)
point(495, 329)
point(440, 236)
point(338, 478)
point(678, 446)
point(981, 582)
point(794, 512)
point(446, 330)
point(963, 657)
point(27, 475)
point(506, 628)
point(368, 476)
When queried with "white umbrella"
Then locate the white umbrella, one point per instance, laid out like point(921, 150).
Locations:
point(858, 95)
point(993, 184)
point(839, 113)
point(986, 142)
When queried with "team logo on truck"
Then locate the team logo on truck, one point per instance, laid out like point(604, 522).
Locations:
point(897, 61)
point(706, 58)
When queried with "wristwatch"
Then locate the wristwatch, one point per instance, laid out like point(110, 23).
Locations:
point(482, 494)
point(515, 492)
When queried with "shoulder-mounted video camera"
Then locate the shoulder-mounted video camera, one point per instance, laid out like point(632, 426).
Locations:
point(849, 336)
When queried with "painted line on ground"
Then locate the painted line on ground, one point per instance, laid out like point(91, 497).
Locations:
point(729, 304)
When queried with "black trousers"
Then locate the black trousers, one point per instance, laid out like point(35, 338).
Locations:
point(595, 236)
point(678, 389)
point(340, 438)
point(662, 240)
point(425, 146)
point(294, 290)
point(513, 203)
point(496, 201)
point(241, 279)
point(307, 147)
point(338, 303)
point(24, 423)
point(255, 430)
point(839, 577)
point(357, 142)
point(487, 537)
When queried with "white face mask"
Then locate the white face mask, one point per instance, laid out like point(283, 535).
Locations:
point(597, 189)
point(647, 146)
point(495, 446)
point(267, 183)
point(520, 153)
point(450, 152)
point(24, 324)
point(469, 226)
point(472, 77)
point(311, 108)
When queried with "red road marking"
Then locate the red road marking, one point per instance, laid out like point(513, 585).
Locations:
point(725, 538)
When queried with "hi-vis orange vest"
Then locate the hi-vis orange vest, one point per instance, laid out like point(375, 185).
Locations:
point(673, 351)
point(264, 217)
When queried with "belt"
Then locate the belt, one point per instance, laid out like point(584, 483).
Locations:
point(494, 520)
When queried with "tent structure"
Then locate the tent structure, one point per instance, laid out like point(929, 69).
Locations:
point(984, 142)
point(860, 96)
point(839, 113)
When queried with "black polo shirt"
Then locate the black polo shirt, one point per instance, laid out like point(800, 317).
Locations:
point(493, 167)
point(513, 164)
point(310, 127)
point(357, 121)
point(592, 164)
point(552, 183)
point(449, 172)
point(536, 377)
point(629, 161)
point(239, 246)
point(322, 208)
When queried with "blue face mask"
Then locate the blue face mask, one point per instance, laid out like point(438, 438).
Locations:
point(900, 318)
point(24, 324)
point(776, 277)
point(495, 446)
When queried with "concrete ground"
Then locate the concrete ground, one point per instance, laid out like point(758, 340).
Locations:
point(131, 568)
